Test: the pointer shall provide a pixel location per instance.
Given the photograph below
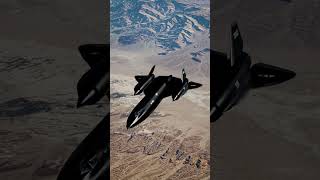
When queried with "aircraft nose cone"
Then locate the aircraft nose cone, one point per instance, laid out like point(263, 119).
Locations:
point(136, 92)
point(133, 121)
point(175, 98)
point(215, 114)
point(79, 104)
point(134, 118)
point(128, 125)
point(86, 99)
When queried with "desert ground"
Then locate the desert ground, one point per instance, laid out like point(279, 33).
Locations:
point(274, 132)
point(173, 143)
point(39, 68)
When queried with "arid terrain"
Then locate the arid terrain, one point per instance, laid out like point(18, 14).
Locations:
point(173, 143)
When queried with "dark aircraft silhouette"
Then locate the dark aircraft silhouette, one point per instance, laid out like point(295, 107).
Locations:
point(232, 77)
point(94, 84)
point(155, 89)
point(90, 160)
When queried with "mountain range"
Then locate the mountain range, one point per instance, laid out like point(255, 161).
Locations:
point(168, 24)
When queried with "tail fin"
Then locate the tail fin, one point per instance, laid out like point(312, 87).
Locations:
point(93, 53)
point(152, 69)
point(191, 85)
point(236, 44)
point(268, 75)
point(184, 76)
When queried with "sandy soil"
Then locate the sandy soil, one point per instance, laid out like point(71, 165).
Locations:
point(168, 144)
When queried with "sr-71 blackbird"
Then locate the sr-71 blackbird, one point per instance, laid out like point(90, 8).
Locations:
point(155, 89)
point(93, 85)
point(233, 76)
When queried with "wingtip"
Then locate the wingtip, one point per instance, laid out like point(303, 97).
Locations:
point(292, 74)
point(79, 105)
point(234, 24)
point(152, 69)
point(129, 126)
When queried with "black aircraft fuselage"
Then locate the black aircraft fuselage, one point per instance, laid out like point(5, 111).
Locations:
point(155, 89)
point(232, 77)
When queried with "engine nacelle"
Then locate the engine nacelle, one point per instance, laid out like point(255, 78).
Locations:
point(143, 84)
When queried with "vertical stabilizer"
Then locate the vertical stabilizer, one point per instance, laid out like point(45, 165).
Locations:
point(236, 44)
point(184, 76)
point(152, 69)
